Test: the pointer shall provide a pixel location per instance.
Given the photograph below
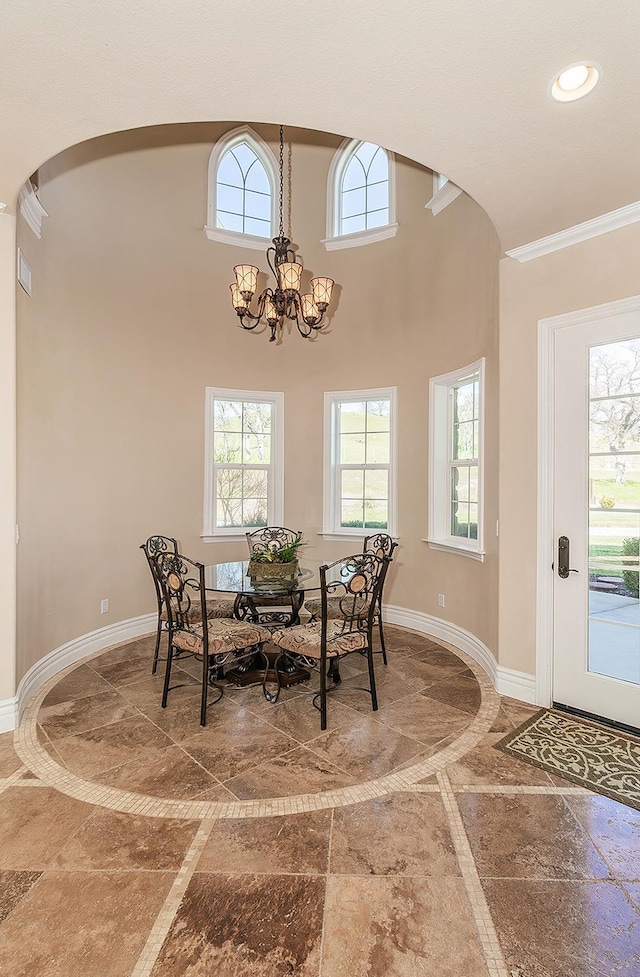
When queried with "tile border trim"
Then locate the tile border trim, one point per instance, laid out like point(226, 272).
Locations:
point(43, 766)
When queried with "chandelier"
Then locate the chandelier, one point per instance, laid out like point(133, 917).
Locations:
point(284, 301)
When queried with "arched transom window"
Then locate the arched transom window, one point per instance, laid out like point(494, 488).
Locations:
point(364, 190)
point(243, 193)
point(242, 178)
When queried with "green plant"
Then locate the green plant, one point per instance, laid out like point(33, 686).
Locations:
point(631, 547)
point(607, 502)
point(369, 524)
point(278, 554)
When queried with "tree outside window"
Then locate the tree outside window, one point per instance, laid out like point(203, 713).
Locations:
point(244, 461)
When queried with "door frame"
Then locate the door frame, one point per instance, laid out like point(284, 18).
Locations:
point(547, 329)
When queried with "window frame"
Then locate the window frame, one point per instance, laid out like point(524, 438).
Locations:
point(334, 240)
point(242, 134)
point(439, 536)
point(275, 501)
point(331, 528)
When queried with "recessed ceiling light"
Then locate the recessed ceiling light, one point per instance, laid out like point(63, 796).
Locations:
point(575, 81)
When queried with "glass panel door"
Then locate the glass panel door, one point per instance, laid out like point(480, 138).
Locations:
point(614, 510)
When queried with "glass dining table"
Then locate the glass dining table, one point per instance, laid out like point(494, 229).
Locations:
point(272, 603)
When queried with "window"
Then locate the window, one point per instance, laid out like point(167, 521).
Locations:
point(364, 190)
point(360, 467)
point(455, 461)
point(241, 206)
point(361, 195)
point(243, 462)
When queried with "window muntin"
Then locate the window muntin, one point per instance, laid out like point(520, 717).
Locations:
point(463, 464)
point(360, 478)
point(455, 461)
point(243, 483)
point(243, 192)
point(364, 190)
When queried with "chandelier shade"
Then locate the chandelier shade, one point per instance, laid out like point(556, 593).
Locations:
point(275, 305)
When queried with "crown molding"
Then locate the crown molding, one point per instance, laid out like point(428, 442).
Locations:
point(579, 232)
point(443, 197)
point(31, 208)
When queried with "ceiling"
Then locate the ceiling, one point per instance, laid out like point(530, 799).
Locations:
point(460, 86)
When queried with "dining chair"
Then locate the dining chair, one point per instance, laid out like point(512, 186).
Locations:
point(270, 538)
point(383, 546)
point(217, 642)
point(216, 607)
point(353, 585)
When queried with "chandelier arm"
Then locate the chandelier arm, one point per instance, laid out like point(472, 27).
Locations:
point(254, 317)
point(272, 264)
point(294, 312)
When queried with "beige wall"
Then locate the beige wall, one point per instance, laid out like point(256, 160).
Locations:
point(130, 320)
point(596, 271)
point(7, 455)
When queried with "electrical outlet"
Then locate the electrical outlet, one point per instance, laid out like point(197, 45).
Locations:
point(104, 605)
point(440, 600)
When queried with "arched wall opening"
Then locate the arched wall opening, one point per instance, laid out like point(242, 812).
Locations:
point(129, 320)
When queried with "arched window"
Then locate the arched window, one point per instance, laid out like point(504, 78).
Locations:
point(241, 205)
point(361, 195)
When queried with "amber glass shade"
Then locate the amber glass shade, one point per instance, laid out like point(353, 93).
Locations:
point(239, 303)
point(270, 313)
point(289, 275)
point(247, 279)
point(322, 289)
point(310, 311)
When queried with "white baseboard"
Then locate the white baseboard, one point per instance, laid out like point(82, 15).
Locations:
point(517, 685)
point(8, 714)
point(435, 627)
point(506, 681)
point(69, 654)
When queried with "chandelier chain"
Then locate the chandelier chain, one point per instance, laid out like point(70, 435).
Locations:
point(281, 180)
point(285, 301)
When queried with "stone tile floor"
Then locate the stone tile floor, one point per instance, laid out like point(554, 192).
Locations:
point(136, 844)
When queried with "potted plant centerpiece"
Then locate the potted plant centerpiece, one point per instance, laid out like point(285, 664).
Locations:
point(271, 562)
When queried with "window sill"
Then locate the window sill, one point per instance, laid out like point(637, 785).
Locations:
point(334, 537)
point(236, 238)
point(451, 547)
point(360, 238)
point(220, 538)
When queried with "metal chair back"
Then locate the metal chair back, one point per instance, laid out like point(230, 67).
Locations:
point(154, 546)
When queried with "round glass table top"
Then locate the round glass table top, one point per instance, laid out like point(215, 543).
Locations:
point(233, 577)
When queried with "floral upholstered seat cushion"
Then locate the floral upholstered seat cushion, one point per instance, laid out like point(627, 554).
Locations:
point(219, 607)
point(224, 635)
point(216, 607)
point(338, 607)
point(305, 639)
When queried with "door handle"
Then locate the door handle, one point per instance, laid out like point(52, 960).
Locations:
point(563, 558)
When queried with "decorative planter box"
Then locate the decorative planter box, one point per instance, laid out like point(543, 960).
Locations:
point(279, 573)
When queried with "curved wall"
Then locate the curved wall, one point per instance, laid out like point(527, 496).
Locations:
point(129, 321)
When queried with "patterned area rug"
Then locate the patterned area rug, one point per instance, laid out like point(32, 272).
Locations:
point(592, 756)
